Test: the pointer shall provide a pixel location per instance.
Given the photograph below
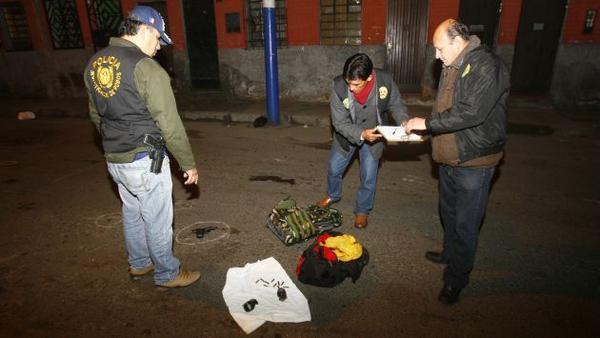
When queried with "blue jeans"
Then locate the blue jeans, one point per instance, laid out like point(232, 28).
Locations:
point(338, 162)
point(462, 203)
point(147, 216)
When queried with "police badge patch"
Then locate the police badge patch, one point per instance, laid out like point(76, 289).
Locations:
point(346, 103)
point(383, 92)
point(106, 76)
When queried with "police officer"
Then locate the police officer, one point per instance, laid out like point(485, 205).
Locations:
point(361, 98)
point(130, 99)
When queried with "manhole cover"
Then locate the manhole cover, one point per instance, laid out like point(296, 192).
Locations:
point(202, 233)
point(109, 221)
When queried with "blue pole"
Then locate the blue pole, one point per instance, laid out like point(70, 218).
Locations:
point(272, 78)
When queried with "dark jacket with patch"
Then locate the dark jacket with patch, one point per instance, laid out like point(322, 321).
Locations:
point(350, 118)
point(124, 118)
point(130, 95)
point(477, 115)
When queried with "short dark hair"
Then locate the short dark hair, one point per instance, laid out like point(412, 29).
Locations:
point(358, 66)
point(129, 27)
point(458, 28)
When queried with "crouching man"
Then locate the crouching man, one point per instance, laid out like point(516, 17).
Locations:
point(361, 99)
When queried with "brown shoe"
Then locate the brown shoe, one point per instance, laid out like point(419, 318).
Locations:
point(133, 272)
point(325, 202)
point(360, 221)
point(184, 278)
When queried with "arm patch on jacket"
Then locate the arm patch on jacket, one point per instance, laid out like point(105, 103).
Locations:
point(467, 70)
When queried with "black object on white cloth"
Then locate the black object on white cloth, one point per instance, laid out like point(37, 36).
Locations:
point(249, 305)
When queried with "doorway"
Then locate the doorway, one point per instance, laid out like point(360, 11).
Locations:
point(200, 28)
point(481, 16)
point(406, 41)
point(537, 42)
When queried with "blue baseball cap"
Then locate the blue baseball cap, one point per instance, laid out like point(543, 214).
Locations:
point(151, 17)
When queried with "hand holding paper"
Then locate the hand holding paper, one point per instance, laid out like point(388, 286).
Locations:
point(398, 134)
point(371, 135)
point(415, 123)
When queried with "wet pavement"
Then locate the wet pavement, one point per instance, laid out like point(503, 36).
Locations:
point(63, 270)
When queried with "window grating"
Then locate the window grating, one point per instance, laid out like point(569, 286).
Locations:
point(341, 22)
point(14, 27)
point(105, 17)
point(255, 23)
point(64, 24)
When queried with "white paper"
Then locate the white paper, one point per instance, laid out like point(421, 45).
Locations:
point(398, 134)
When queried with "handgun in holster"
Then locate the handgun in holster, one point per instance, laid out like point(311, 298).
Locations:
point(157, 152)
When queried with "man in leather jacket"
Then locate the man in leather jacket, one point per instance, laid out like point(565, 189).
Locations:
point(468, 127)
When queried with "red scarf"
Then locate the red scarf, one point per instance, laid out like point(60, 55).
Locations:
point(364, 94)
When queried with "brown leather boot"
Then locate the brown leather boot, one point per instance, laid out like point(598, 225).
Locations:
point(183, 278)
point(140, 272)
point(360, 221)
point(325, 202)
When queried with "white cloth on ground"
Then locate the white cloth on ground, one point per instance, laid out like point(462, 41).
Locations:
point(260, 281)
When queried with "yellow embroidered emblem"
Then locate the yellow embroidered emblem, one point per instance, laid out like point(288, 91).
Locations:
point(383, 92)
point(467, 70)
point(106, 76)
point(346, 103)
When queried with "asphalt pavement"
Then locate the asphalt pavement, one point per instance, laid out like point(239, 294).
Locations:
point(63, 269)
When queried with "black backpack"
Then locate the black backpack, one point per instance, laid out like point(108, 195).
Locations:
point(314, 269)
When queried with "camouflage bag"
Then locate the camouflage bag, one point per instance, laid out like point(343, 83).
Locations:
point(292, 224)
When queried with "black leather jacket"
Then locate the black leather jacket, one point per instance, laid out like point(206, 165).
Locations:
point(478, 114)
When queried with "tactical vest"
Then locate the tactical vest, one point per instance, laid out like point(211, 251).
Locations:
point(382, 80)
point(124, 117)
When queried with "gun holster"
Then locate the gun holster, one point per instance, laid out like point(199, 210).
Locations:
point(157, 152)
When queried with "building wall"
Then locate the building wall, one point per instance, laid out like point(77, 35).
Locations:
point(43, 71)
point(577, 66)
point(46, 72)
point(305, 72)
point(441, 10)
point(509, 26)
point(303, 26)
point(573, 26)
point(305, 67)
point(576, 82)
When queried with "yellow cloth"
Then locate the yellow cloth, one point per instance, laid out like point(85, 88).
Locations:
point(345, 247)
